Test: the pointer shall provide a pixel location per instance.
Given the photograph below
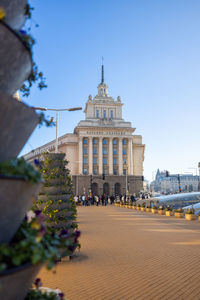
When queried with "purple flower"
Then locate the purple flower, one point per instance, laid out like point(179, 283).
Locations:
point(37, 212)
point(36, 162)
point(38, 283)
point(77, 233)
point(23, 32)
point(61, 295)
point(63, 233)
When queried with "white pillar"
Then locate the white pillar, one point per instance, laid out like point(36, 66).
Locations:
point(130, 154)
point(120, 157)
point(80, 155)
point(90, 156)
point(110, 156)
point(100, 163)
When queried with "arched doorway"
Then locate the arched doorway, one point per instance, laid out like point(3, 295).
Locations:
point(106, 188)
point(94, 188)
point(117, 189)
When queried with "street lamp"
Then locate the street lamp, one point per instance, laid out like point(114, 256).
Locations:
point(57, 110)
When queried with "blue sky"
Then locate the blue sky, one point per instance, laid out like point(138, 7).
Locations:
point(151, 54)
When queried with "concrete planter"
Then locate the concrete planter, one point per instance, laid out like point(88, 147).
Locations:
point(15, 12)
point(15, 200)
point(161, 212)
point(199, 218)
point(15, 61)
point(190, 217)
point(15, 283)
point(179, 215)
point(154, 211)
point(17, 123)
point(148, 209)
point(138, 208)
point(143, 208)
point(169, 213)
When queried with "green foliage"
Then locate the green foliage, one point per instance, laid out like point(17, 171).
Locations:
point(20, 168)
point(190, 211)
point(34, 242)
point(168, 208)
point(43, 120)
point(179, 210)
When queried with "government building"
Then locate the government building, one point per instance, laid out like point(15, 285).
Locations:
point(104, 154)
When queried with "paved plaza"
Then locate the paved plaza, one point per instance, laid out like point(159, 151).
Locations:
point(127, 254)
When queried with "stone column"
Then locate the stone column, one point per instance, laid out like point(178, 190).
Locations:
point(100, 162)
point(120, 162)
point(110, 157)
point(130, 156)
point(90, 156)
point(80, 146)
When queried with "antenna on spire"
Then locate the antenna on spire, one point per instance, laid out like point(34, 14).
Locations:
point(102, 71)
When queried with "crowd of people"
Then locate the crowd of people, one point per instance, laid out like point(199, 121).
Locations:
point(87, 200)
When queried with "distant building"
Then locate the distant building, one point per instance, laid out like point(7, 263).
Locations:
point(103, 143)
point(167, 185)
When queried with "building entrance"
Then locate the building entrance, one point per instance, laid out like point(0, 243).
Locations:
point(94, 188)
point(106, 188)
point(117, 189)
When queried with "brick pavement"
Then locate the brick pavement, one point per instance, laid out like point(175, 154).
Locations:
point(128, 254)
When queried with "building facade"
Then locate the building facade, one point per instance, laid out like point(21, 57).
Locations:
point(170, 184)
point(103, 153)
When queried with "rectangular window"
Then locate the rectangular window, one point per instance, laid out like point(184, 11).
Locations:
point(124, 171)
point(94, 141)
point(114, 161)
point(105, 171)
point(85, 160)
point(105, 142)
point(104, 151)
point(94, 150)
point(124, 161)
point(97, 113)
point(94, 160)
point(85, 171)
point(104, 114)
point(115, 171)
point(95, 171)
point(114, 151)
point(111, 114)
point(124, 142)
point(84, 150)
point(114, 142)
point(84, 141)
point(124, 152)
point(105, 161)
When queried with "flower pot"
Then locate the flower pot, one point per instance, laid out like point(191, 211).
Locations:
point(169, 213)
point(148, 209)
point(15, 12)
point(190, 217)
point(161, 212)
point(15, 283)
point(143, 208)
point(154, 211)
point(15, 200)
point(179, 215)
point(17, 123)
point(15, 61)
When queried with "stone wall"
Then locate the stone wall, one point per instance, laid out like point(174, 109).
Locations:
point(82, 184)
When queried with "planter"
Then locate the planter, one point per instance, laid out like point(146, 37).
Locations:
point(138, 208)
point(169, 213)
point(148, 209)
point(15, 12)
point(179, 215)
point(15, 283)
point(154, 211)
point(190, 217)
point(143, 208)
point(15, 61)
point(15, 200)
point(161, 212)
point(17, 123)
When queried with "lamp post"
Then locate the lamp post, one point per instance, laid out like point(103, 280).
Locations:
point(57, 110)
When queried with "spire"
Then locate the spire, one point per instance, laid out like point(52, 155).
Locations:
point(102, 72)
